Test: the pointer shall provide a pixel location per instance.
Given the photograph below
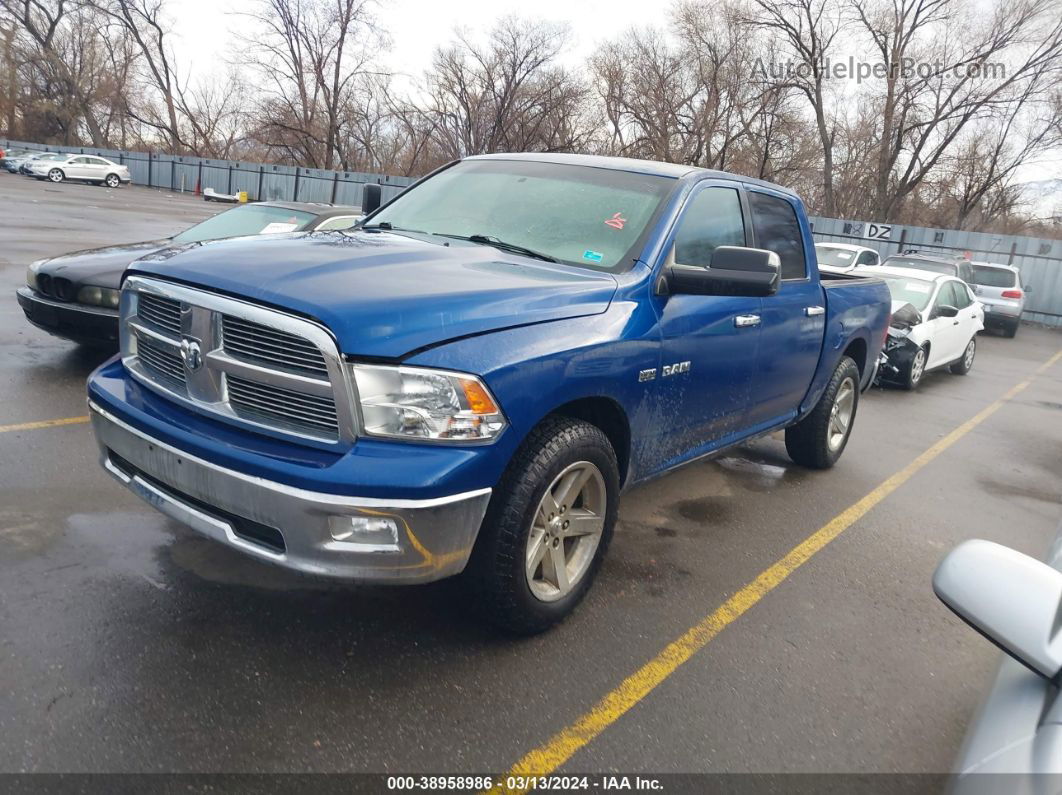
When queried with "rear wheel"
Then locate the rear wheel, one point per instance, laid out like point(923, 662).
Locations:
point(547, 527)
point(112, 181)
point(1011, 329)
point(916, 368)
point(963, 365)
point(818, 440)
point(56, 175)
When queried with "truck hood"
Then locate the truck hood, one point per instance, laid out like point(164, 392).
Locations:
point(385, 294)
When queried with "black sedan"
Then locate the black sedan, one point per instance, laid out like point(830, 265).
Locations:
point(75, 296)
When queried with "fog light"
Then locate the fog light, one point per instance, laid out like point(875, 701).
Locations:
point(376, 531)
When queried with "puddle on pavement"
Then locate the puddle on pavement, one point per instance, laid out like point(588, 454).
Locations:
point(1011, 490)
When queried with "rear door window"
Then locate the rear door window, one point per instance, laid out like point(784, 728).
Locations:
point(988, 276)
point(775, 222)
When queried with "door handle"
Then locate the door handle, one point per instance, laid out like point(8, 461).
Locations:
point(743, 321)
point(812, 311)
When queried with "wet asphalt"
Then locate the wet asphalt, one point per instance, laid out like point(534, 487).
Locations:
point(129, 644)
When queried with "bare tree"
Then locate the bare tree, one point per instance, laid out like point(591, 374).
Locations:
point(808, 31)
point(506, 94)
point(937, 83)
point(313, 55)
point(53, 37)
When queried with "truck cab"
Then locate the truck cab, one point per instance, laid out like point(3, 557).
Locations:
point(465, 383)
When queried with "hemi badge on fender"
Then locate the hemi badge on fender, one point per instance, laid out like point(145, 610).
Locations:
point(646, 375)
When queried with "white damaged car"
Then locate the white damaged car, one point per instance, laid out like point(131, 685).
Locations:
point(935, 320)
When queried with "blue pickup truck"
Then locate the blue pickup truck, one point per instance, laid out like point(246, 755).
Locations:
point(467, 382)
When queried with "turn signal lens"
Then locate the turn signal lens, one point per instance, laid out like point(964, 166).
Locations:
point(478, 400)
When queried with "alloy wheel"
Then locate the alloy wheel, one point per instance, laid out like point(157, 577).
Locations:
point(918, 366)
point(841, 414)
point(565, 531)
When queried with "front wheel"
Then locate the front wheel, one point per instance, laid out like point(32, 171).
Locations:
point(916, 368)
point(818, 440)
point(548, 525)
point(963, 365)
point(56, 175)
point(112, 181)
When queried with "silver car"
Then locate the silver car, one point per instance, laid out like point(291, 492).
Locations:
point(90, 168)
point(998, 288)
point(1014, 601)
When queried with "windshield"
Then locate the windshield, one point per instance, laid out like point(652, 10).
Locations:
point(923, 265)
point(911, 291)
point(249, 219)
point(576, 214)
point(987, 276)
point(835, 257)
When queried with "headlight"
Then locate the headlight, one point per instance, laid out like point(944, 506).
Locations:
point(99, 296)
point(31, 274)
point(414, 403)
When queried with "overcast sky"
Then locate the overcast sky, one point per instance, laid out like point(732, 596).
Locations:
point(416, 27)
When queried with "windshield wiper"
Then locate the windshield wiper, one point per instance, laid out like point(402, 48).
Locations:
point(491, 240)
point(387, 227)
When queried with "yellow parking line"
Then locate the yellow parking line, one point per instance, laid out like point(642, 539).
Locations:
point(558, 750)
point(32, 426)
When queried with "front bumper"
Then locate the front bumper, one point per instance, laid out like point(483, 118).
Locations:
point(77, 322)
point(290, 526)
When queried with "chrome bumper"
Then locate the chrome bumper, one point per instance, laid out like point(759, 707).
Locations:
point(288, 526)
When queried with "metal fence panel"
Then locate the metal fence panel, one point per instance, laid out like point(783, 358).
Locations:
point(1038, 259)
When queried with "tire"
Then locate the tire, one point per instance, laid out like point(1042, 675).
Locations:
point(510, 597)
point(112, 181)
point(56, 175)
point(1011, 329)
point(818, 440)
point(965, 364)
point(916, 369)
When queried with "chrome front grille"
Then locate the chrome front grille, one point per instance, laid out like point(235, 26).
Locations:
point(162, 313)
point(283, 406)
point(162, 360)
point(245, 339)
point(239, 362)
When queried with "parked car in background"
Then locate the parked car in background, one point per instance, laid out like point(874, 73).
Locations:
point(12, 163)
point(999, 289)
point(39, 157)
point(75, 296)
point(86, 168)
point(935, 320)
point(466, 382)
point(951, 266)
point(1013, 601)
point(11, 154)
point(843, 257)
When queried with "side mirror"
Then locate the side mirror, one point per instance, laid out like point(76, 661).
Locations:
point(946, 310)
point(1027, 288)
point(371, 198)
point(735, 270)
point(1010, 598)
